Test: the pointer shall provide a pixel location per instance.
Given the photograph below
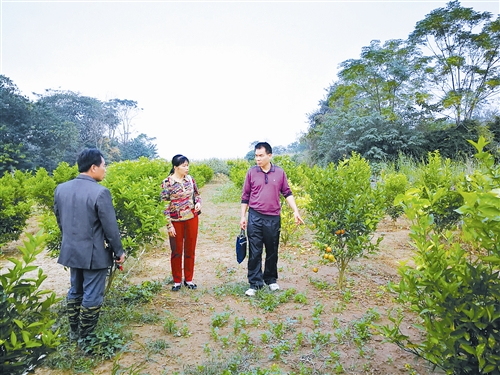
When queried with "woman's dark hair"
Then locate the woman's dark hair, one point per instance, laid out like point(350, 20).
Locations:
point(267, 146)
point(178, 160)
point(87, 158)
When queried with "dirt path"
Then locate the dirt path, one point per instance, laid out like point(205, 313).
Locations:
point(217, 268)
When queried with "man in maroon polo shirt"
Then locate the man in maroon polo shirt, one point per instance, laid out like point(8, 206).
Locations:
point(261, 197)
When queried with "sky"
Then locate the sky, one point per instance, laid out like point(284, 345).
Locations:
point(211, 77)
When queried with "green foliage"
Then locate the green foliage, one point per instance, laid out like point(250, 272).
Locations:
point(345, 210)
point(48, 222)
point(454, 287)
point(463, 65)
point(64, 172)
point(15, 206)
point(296, 174)
point(291, 232)
point(141, 293)
point(135, 187)
point(14, 127)
point(26, 320)
point(201, 173)
point(219, 166)
point(269, 301)
point(237, 171)
point(42, 188)
point(391, 185)
point(437, 184)
point(220, 320)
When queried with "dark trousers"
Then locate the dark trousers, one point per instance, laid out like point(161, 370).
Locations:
point(262, 230)
point(88, 285)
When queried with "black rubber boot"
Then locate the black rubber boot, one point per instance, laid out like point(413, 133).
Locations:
point(89, 316)
point(73, 307)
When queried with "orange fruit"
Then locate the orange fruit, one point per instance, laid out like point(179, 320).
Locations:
point(331, 257)
point(328, 249)
point(315, 269)
point(325, 256)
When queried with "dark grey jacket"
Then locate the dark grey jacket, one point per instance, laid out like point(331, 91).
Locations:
point(86, 217)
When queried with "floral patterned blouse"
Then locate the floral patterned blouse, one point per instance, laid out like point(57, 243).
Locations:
point(180, 197)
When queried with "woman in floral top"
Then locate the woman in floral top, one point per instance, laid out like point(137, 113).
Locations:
point(183, 206)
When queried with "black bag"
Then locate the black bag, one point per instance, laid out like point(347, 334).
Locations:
point(241, 247)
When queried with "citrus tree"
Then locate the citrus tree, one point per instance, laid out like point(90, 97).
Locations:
point(454, 286)
point(26, 320)
point(15, 206)
point(345, 209)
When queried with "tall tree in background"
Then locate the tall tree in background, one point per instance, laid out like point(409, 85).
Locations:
point(31, 136)
point(464, 61)
point(386, 80)
point(92, 118)
point(371, 109)
point(125, 110)
point(142, 145)
point(14, 126)
point(398, 97)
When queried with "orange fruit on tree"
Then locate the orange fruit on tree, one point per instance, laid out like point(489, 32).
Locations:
point(325, 256)
point(331, 257)
point(328, 249)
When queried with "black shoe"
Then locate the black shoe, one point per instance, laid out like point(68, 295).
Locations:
point(190, 286)
point(176, 288)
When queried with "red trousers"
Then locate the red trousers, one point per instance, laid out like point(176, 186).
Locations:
point(184, 243)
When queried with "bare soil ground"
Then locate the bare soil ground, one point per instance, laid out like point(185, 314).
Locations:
point(216, 267)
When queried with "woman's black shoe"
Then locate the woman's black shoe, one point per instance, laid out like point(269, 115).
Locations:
point(190, 286)
point(176, 288)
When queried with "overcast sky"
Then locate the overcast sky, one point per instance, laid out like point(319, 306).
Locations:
point(212, 77)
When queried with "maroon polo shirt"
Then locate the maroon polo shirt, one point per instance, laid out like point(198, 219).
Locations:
point(261, 191)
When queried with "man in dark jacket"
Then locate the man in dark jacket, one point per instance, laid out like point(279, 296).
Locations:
point(86, 218)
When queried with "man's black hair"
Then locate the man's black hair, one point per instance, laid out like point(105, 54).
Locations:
point(267, 146)
point(89, 157)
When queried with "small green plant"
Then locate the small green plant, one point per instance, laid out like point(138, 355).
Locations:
point(104, 344)
point(283, 347)
point(320, 284)
point(319, 339)
point(170, 324)
point(220, 320)
point(316, 315)
point(300, 298)
point(244, 341)
point(299, 341)
point(117, 369)
point(157, 346)
point(269, 301)
point(239, 323)
point(143, 292)
point(26, 321)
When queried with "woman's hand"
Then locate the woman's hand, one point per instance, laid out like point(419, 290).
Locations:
point(197, 207)
point(171, 231)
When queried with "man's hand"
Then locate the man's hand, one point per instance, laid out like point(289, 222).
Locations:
point(121, 259)
point(298, 219)
point(243, 223)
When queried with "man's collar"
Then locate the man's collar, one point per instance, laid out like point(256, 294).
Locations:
point(270, 169)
